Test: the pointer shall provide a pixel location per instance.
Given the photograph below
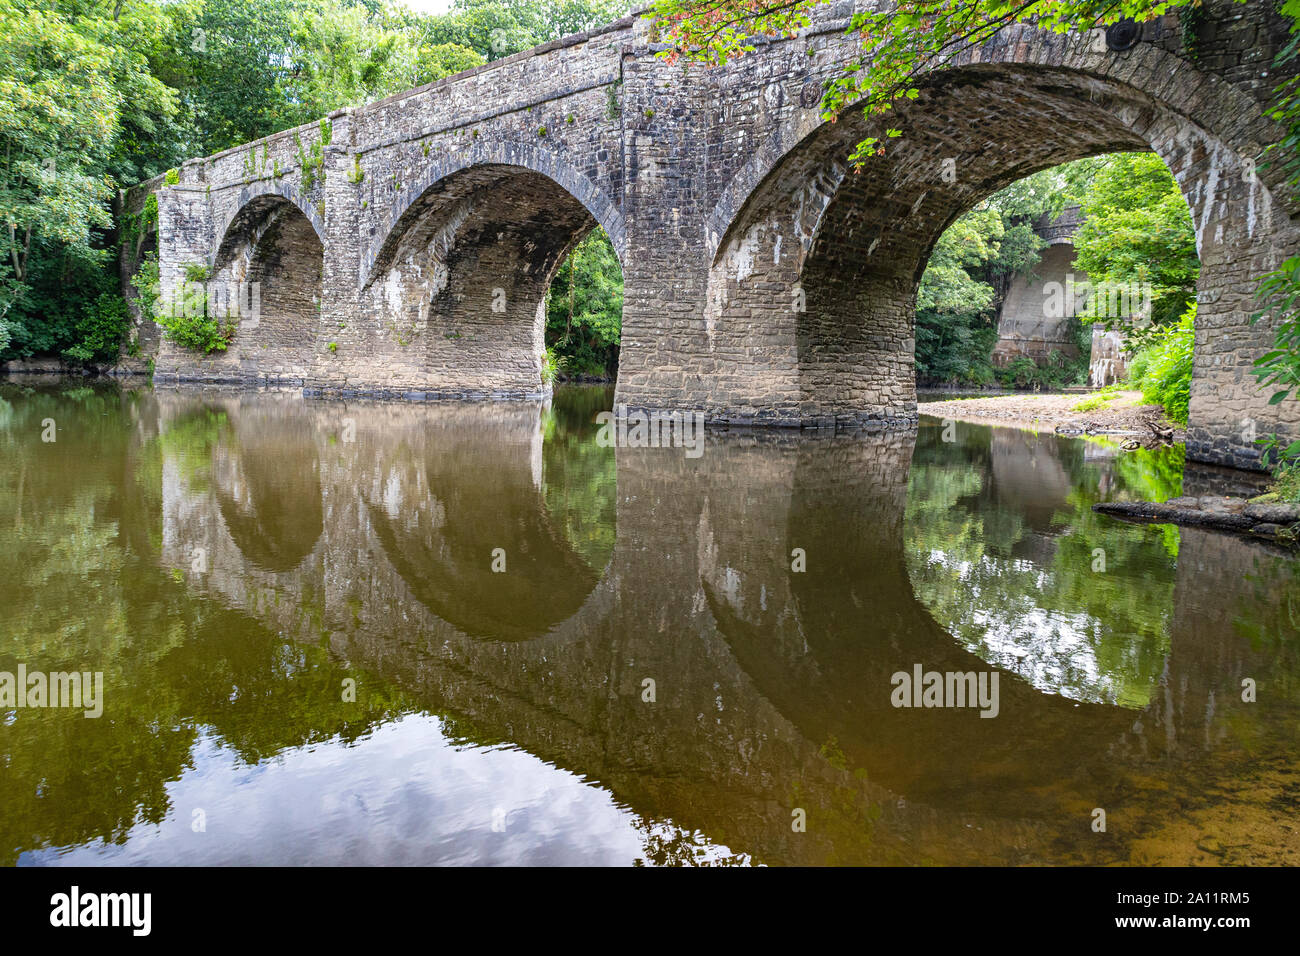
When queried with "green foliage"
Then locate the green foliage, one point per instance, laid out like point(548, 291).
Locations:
point(101, 330)
point(311, 159)
point(185, 319)
point(1053, 373)
point(147, 287)
point(1138, 233)
point(584, 309)
point(1285, 154)
point(1162, 371)
point(74, 86)
point(1286, 481)
point(1102, 398)
point(357, 175)
point(499, 28)
point(970, 268)
point(955, 301)
point(198, 331)
point(1278, 296)
point(64, 283)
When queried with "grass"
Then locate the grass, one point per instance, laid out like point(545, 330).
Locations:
point(1286, 483)
point(1099, 399)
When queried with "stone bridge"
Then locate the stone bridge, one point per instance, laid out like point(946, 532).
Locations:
point(404, 248)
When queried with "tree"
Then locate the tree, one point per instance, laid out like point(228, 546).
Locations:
point(73, 77)
point(498, 28)
point(1138, 234)
point(584, 308)
point(1279, 291)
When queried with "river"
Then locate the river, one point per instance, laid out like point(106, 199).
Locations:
point(355, 632)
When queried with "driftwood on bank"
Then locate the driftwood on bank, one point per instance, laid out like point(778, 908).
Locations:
point(1157, 432)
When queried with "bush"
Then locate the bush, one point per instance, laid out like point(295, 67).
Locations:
point(186, 322)
point(1286, 482)
point(200, 332)
point(1163, 370)
point(550, 365)
point(146, 284)
point(101, 330)
point(1055, 372)
point(1137, 368)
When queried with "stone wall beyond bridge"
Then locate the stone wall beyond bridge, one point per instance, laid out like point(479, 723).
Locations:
point(404, 248)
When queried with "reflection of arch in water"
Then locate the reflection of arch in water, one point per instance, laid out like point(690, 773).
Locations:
point(469, 499)
point(267, 482)
point(1000, 549)
point(822, 647)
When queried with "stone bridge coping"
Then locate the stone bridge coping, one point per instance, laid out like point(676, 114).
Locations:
point(573, 39)
point(832, 18)
point(1060, 229)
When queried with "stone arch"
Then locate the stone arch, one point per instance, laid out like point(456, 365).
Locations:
point(849, 247)
point(501, 153)
point(1200, 94)
point(254, 201)
point(269, 268)
point(460, 277)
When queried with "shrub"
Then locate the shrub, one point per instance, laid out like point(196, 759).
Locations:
point(201, 332)
point(1286, 482)
point(550, 365)
point(1054, 372)
point(1163, 370)
point(187, 322)
point(146, 284)
point(101, 330)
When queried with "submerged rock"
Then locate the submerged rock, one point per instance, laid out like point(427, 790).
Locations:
point(1276, 522)
point(1273, 512)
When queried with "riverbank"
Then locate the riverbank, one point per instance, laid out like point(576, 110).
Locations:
point(1100, 413)
point(126, 367)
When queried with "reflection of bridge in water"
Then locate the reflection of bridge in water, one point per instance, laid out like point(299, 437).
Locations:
point(772, 686)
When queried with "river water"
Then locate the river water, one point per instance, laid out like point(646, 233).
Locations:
point(360, 632)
